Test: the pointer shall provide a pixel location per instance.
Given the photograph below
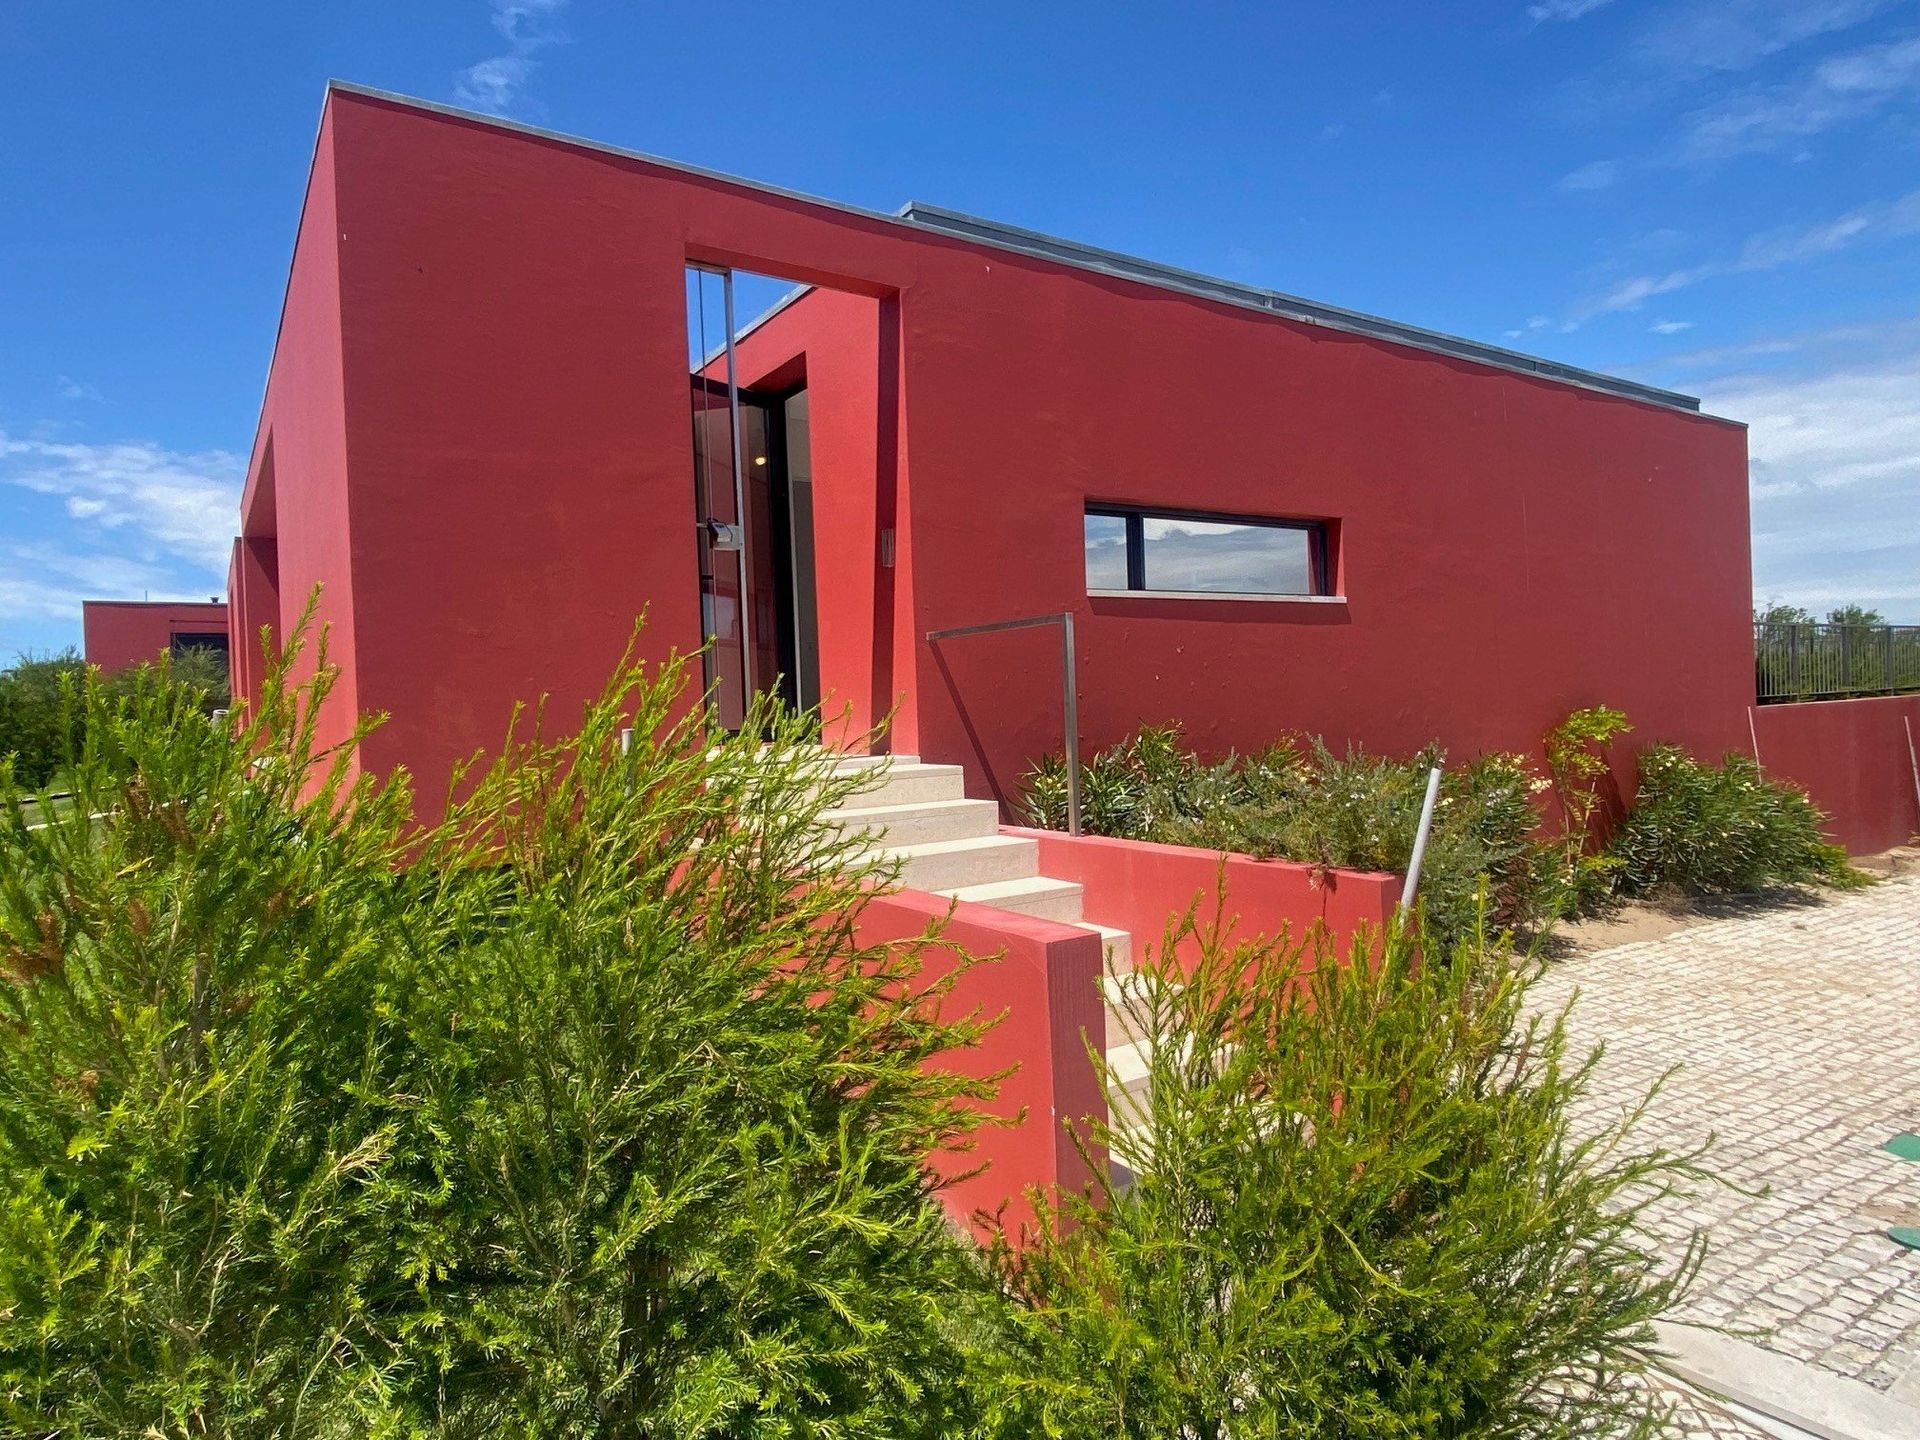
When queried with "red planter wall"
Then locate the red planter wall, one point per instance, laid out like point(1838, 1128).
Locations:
point(1138, 887)
point(1045, 985)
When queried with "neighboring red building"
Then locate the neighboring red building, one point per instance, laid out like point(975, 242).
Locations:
point(119, 633)
point(478, 419)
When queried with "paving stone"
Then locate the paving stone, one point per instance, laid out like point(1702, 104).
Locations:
point(1794, 1032)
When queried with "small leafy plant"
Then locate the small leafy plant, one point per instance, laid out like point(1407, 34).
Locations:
point(1577, 763)
point(1707, 829)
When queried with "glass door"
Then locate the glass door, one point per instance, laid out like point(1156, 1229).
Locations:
point(752, 478)
point(719, 516)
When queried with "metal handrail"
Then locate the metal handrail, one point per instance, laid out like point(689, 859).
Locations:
point(1069, 691)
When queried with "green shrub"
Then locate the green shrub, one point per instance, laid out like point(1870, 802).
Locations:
point(594, 1119)
point(1357, 1209)
point(1702, 829)
point(197, 1065)
point(1357, 811)
point(582, 1111)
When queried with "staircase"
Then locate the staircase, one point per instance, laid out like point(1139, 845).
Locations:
point(950, 845)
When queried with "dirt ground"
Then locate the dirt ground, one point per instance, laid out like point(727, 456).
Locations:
point(1654, 919)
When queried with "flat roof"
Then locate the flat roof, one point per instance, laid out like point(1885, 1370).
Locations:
point(957, 224)
point(156, 604)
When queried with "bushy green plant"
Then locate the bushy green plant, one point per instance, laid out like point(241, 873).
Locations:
point(1306, 803)
point(1129, 790)
point(582, 1112)
point(1357, 1209)
point(1702, 829)
point(679, 1119)
point(197, 1065)
point(1577, 762)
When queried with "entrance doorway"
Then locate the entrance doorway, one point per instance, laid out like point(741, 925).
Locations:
point(753, 509)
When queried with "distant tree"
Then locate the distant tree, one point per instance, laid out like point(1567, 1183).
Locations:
point(1854, 615)
point(1775, 612)
point(40, 725)
point(43, 722)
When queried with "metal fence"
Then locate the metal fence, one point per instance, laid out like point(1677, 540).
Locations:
point(1823, 662)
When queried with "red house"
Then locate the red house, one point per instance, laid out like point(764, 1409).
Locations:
point(119, 633)
point(1264, 514)
point(512, 406)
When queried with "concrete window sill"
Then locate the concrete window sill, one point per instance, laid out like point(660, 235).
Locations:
point(1234, 597)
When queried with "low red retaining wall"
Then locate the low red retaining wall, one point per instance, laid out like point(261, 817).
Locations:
point(1139, 887)
point(1851, 755)
point(1046, 986)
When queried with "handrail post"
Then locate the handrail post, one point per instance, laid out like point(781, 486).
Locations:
point(1069, 688)
point(1071, 710)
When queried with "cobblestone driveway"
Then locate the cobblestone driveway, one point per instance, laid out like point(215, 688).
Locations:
point(1798, 1034)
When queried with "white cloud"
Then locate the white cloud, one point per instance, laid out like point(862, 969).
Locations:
point(1731, 35)
point(1670, 327)
point(71, 389)
point(1835, 470)
point(1766, 251)
point(1782, 118)
point(1831, 347)
point(1595, 175)
point(1548, 11)
point(498, 84)
point(174, 505)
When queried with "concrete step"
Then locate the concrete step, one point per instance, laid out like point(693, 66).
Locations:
point(955, 864)
point(1118, 945)
point(1115, 990)
point(1128, 1064)
point(910, 783)
point(842, 764)
point(1035, 895)
point(920, 824)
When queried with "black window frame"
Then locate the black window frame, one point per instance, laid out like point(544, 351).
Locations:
point(1319, 559)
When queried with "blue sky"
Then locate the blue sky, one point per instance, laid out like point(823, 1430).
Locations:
point(1722, 196)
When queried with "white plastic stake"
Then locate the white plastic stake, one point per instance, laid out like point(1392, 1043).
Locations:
point(1912, 763)
point(1420, 840)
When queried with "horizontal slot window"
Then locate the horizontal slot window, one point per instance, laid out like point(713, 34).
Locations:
point(1192, 553)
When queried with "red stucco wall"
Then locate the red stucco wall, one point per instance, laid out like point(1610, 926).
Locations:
point(119, 633)
point(1510, 549)
point(517, 477)
point(296, 517)
point(1851, 755)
